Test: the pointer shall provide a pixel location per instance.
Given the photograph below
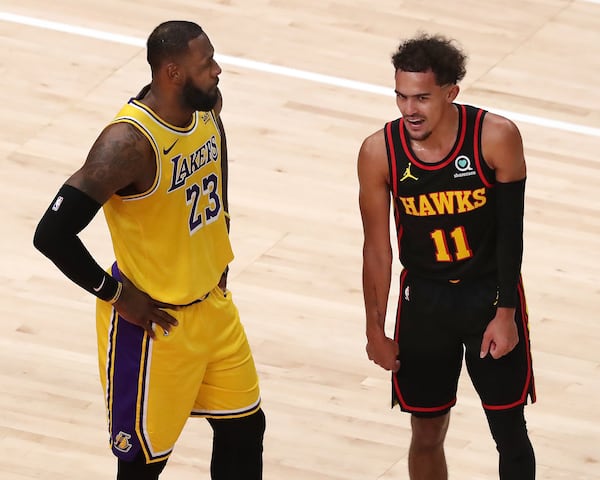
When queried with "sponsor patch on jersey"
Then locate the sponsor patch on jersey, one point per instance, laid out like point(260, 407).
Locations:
point(463, 167)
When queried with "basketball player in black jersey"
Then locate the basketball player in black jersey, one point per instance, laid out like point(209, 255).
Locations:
point(456, 178)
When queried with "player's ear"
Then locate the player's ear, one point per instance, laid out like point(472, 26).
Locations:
point(452, 93)
point(173, 73)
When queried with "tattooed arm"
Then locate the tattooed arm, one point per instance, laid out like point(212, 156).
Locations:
point(120, 161)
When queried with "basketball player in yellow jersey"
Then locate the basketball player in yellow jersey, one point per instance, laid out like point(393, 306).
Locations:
point(170, 341)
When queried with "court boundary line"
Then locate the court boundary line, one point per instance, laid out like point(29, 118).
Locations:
point(284, 71)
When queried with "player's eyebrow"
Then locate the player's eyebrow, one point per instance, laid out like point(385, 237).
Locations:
point(424, 94)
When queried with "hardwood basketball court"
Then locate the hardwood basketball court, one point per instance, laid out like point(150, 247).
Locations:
point(303, 82)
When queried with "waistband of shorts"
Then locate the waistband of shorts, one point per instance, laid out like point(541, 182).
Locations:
point(117, 274)
point(193, 302)
point(452, 281)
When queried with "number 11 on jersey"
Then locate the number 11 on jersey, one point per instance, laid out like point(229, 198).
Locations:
point(461, 249)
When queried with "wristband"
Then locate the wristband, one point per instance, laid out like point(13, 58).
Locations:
point(109, 289)
point(117, 294)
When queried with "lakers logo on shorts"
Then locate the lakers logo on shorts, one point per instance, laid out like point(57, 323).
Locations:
point(122, 443)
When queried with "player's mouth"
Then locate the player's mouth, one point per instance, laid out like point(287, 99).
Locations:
point(415, 122)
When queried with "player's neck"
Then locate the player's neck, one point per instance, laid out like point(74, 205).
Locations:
point(167, 107)
point(442, 138)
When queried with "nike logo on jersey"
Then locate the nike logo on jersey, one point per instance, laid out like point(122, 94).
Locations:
point(167, 150)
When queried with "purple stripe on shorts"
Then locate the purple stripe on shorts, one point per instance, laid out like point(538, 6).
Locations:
point(129, 355)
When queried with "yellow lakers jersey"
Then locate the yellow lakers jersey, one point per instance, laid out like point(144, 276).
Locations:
point(172, 241)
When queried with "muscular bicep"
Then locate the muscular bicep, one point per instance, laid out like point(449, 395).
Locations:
point(120, 160)
point(502, 148)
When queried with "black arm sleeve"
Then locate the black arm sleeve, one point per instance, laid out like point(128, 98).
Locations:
point(510, 205)
point(56, 236)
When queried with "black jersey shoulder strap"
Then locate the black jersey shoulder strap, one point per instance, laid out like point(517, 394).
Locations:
point(393, 145)
point(475, 118)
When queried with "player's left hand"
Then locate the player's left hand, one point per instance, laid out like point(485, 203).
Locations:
point(223, 280)
point(501, 335)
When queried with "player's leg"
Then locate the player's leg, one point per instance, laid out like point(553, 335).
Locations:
point(426, 456)
point(138, 469)
point(237, 447)
point(150, 387)
point(229, 396)
point(430, 363)
point(504, 386)
point(516, 455)
point(148, 402)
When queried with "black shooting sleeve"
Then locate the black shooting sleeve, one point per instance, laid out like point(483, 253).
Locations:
point(510, 207)
point(56, 236)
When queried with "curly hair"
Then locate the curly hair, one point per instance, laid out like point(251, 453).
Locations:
point(431, 52)
point(169, 40)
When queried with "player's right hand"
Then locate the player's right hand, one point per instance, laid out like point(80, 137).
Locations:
point(141, 309)
point(384, 352)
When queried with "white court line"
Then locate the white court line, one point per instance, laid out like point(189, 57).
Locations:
point(286, 71)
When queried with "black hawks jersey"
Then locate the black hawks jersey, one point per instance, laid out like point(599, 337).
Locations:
point(444, 211)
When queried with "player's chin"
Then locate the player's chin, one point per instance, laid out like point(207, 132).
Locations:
point(419, 134)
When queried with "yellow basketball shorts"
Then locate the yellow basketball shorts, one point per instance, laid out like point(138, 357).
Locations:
point(203, 367)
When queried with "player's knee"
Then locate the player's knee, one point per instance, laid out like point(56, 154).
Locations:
point(517, 458)
point(252, 428)
point(509, 431)
point(429, 432)
point(138, 469)
point(240, 431)
point(238, 447)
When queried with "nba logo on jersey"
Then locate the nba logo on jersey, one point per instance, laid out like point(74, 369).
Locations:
point(407, 293)
point(122, 443)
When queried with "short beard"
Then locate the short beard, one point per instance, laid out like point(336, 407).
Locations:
point(420, 138)
point(198, 99)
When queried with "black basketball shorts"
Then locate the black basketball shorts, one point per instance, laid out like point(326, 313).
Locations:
point(438, 324)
